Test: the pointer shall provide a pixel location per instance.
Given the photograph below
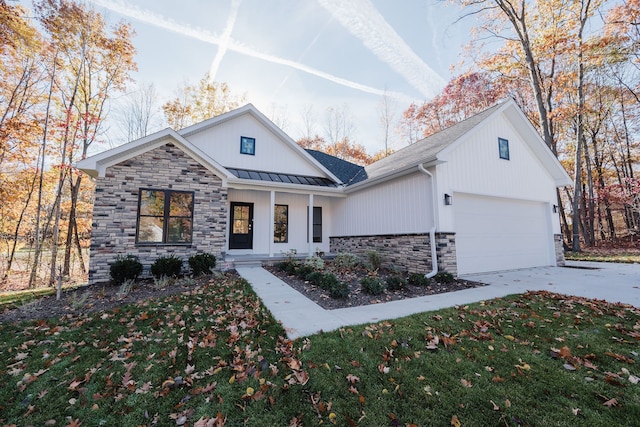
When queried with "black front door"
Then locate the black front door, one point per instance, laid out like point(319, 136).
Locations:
point(241, 236)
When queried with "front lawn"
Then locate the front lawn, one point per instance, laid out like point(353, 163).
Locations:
point(628, 256)
point(215, 357)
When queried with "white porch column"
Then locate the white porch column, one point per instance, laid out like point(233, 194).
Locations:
point(271, 221)
point(310, 230)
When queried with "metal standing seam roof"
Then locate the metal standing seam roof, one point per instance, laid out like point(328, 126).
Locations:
point(281, 177)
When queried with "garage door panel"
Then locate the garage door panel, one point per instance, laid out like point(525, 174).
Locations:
point(495, 234)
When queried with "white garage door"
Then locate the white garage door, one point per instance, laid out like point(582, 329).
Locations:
point(494, 234)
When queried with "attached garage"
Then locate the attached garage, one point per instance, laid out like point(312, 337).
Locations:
point(494, 234)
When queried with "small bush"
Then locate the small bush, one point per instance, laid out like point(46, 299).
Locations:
point(444, 277)
point(304, 270)
point(372, 285)
point(396, 283)
point(314, 262)
point(375, 260)
point(202, 263)
point(339, 290)
point(315, 278)
point(419, 279)
point(169, 266)
point(289, 266)
point(346, 261)
point(125, 268)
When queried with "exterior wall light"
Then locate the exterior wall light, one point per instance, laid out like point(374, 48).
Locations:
point(555, 208)
point(448, 200)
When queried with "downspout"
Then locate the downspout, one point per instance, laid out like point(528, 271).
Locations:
point(432, 232)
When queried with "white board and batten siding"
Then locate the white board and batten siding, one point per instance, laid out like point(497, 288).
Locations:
point(502, 209)
point(297, 226)
point(272, 154)
point(399, 206)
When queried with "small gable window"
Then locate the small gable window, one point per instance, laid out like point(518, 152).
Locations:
point(503, 148)
point(247, 145)
point(164, 217)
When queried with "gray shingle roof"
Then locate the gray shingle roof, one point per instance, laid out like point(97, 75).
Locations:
point(428, 148)
point(347, 172)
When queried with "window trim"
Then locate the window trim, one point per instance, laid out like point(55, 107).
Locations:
point(503, 148)
point(315, 223)
point(165, 217)
point(248, 149)
point(286, 223)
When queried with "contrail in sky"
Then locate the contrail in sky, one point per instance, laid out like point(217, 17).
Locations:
point(364, 21)
point(199, 34)
point(225, 39)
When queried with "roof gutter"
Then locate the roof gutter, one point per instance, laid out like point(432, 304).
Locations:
point(432, 231)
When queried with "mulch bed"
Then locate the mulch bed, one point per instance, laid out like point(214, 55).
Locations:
point(97, 297)
point(103, 296)
point(357, 297)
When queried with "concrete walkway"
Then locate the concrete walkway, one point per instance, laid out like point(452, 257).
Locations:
point(301, 317)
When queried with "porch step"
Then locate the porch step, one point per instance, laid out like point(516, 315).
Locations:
point(233, 263)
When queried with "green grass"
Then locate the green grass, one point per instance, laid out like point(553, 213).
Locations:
point(497, 363)
point(605, 256)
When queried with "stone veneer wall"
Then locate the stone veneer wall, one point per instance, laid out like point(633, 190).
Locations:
point(559, 244)
point(116, 208)
point(410, 252)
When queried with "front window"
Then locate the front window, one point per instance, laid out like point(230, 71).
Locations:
point(281, 224)
point(317, 224)
point(165, 217)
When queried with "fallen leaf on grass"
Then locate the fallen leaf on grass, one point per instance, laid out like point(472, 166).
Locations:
point(455, 422)
point(611, 403)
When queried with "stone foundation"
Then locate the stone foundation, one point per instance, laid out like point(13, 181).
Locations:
point(559, 245)
point(407, 252)
point(115, 209)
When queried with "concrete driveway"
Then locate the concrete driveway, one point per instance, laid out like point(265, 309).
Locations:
point(601, 280)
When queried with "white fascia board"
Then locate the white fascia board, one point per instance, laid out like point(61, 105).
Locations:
point(539, 147)
point(244, 184)
point(97, 165)
point(391, 175)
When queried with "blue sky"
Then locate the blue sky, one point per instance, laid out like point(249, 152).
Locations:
point(287, 55)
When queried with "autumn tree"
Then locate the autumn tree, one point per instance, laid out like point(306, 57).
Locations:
point(94, 62)
point(195, 103)
point(137, 113)
point(462, 97)
point(343, 149)
point(21, 90)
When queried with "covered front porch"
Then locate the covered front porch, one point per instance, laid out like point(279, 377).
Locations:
point(271, 224)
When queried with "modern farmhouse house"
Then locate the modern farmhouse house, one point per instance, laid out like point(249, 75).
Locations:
point(480, 196)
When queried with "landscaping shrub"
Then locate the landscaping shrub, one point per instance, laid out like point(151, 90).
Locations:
point(315, 278)
point(202, 263)
point(289, 266)
point(375, 260)
point(372, 285)
point(419, 279)
point(125, 268)
point(169, 266)
point(396, 283)
point(315, 262)
point(304, 270)
point(346, 261)
point(444, 277)
point(339, 290)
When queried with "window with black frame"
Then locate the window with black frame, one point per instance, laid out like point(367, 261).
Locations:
point(281, 224)
point(164, 217)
